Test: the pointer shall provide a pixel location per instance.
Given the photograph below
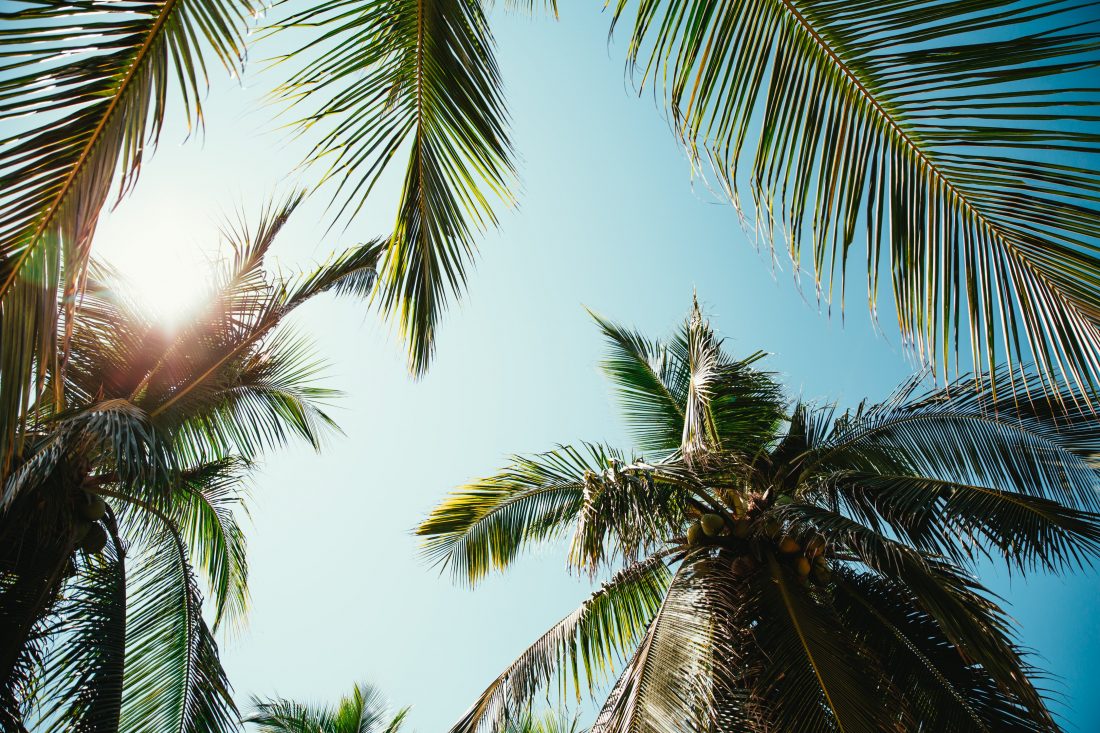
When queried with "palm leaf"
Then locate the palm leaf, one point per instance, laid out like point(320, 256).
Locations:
point(960, 606)
point(601, 631)
point(931, 126)
point(668, 685)
point(363, 711)
point(813, 679)
point(688, 395)
point(482, 527)
point(205, 514)
point(421, 77)
point(1042, 446)
point(174, 679)
point(86, 91)
point(83, 674)
point(939, 686)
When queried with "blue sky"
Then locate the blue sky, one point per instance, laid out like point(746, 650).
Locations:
point(608, 218)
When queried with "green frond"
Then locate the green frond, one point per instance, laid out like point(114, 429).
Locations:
point(483, 526)
point(668, 684)
point(83, 673)
point(956, 141)
point(387, 77)
point(351, 272)
point(813, 677)
point(651, 386)
point(288, 716)
point(688, 395)
point(962, 520)
point(548, 721)
point(205, 512)
point(960, 606)
point(174, 679)
point(938, 685)
point(253, 403)
point(85, 93)
point(588, 642)
point(1043, 446)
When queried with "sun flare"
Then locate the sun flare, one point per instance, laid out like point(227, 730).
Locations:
point(170, 276)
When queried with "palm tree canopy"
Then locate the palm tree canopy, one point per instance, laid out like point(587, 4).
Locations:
point(363, 711)
point(778, 565)
point(958, 141)
point(147, 447)
point(84, 93)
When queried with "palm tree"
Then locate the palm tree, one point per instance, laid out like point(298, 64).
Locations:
point(363, 711)
point(84, 92)
point(129, 479)
point(785, 566)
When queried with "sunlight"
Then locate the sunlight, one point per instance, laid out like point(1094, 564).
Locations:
point(168, 274)
point(171, 285)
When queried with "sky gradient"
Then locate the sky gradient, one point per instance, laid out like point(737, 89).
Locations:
point(608, 218)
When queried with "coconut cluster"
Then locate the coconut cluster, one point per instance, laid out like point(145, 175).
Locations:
point(749, 528)
point(88, 531)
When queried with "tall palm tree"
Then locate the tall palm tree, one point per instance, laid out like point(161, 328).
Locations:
point(84, 91)
point(784, 566)
point(363, 711)
point(129, 480)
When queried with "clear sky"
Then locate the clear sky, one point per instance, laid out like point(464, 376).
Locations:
point(608, 218)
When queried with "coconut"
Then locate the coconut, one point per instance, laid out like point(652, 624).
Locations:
point(95, 540)
point(80, 530)
point(741, 528)
point(802, 565)
point(712, 524)
point(789, 546)
point(783, 500)
point(94, 508)
point(695, 534)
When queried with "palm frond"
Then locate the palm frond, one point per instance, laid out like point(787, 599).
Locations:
point(289, 716)
point(813, 678)
point(174, 679)
point(83, 674)
point(962, 520)
point(483, 526)
point(251, 404)
point(651, 385)
point(688, 395)
point(938, 685)
point(668, 685)
point(421, 77)
point(603, 630)
point(960, 137)
point(363, 711)
point(206, 515)
point(1042, 446)
point(86, 92)
point(959, 604)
